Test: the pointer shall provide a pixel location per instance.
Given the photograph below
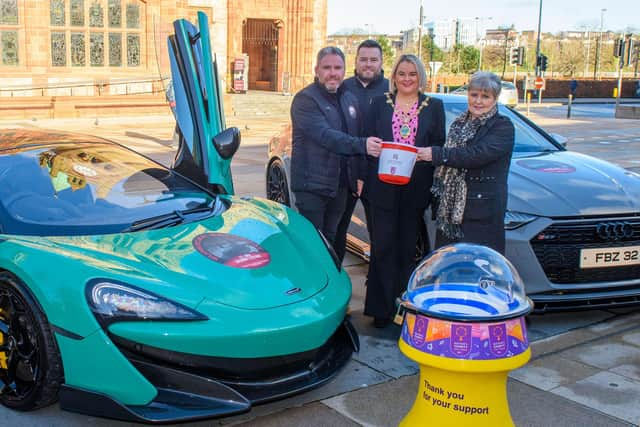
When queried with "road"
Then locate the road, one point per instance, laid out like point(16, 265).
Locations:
point(605, 111)
point(379, 360)
point(593, 130)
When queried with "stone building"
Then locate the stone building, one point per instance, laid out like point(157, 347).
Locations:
point(115, 47)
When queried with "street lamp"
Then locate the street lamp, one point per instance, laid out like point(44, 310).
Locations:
point(588, 47)
point(431, 64)
point(480, 37)
point(420, 23)
point(596, 70)
point(538, 73)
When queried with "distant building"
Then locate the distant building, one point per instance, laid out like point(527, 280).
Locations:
point(349, 43)
point(466, 31)
point(409, 39)
point(500, 36)
point(45, 43)
point(573, 35)
point(447, 33)
point(530, 36)
point(444, 32)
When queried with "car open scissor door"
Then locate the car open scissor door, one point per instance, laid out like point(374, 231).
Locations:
point(205, 147)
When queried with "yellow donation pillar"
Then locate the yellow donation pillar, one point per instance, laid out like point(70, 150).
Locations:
point(464, 325)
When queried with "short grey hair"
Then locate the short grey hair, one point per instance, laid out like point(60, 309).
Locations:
point(329, 50)
point(486, 82)
point(422, 74)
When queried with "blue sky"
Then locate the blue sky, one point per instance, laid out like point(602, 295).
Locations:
point(392, 16)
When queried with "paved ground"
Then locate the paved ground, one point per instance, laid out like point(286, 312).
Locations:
point(592, 129)
point(585, 368)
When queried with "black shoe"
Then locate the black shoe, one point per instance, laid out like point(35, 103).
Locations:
point(380, 322)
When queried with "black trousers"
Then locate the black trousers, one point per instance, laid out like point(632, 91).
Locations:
point(343, 227)
point(394, 232)
point(324, 212)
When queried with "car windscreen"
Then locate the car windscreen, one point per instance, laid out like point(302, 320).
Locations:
point(528, 139)
point(87, 188)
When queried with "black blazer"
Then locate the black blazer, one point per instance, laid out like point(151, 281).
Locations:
point(487, 158)
point(431, 132)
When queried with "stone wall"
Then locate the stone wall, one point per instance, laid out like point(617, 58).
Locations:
point(35, 69)
point(302, 32)
point(587, 88)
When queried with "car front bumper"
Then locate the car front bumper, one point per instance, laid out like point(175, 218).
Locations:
point(191, 387)
point(551, 271)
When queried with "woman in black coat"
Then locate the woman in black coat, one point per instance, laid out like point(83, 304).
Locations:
point(472, 170)
point(403, 115)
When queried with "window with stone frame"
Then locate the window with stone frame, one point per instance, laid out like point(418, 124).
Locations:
point(97, 33)
point(10, 29)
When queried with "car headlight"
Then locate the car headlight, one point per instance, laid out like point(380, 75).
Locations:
point(513, 220)
point(332, 252)
point(111, 301)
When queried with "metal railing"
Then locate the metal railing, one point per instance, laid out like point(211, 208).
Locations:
point(94, 88)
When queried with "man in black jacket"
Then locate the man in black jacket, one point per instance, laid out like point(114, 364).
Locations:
point(326, 122)
point(367, 83)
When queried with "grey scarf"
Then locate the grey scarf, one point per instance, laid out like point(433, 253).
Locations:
point(449, 183)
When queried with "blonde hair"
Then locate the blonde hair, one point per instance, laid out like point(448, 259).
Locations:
point(422, 74)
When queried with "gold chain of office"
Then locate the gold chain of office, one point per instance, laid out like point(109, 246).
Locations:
point(423, 104)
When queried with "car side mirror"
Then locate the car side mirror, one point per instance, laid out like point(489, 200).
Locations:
point(562, 140)
point(227, 142)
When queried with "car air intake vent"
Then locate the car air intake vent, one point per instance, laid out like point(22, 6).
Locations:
point(558, 249)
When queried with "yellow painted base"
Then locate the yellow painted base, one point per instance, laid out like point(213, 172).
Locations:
point(461, 392)
point(3, 355)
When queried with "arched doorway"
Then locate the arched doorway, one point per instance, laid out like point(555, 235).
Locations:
point(260, 42)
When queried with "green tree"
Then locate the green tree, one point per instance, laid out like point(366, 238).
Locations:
point(468, 57)
point(388, 53)
point(431, 52)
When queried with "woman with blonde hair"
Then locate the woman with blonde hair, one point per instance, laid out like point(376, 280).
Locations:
point(404, 115)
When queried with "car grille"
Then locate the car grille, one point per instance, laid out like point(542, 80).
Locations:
point(558, 247)
point(258, 379)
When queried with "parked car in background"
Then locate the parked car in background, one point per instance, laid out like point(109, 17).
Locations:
point(572, 222)
point(508, 94)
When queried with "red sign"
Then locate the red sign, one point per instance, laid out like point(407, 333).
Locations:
point(539, 83)
point(238, 64)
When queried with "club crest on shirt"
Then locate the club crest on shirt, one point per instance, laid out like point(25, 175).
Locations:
point(352, 111)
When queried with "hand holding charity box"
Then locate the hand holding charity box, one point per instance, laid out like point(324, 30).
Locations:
point(396, 162)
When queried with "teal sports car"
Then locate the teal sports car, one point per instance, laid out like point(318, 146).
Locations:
point(134, 291)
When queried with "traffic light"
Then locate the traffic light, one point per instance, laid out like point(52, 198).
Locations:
point(516, 56)
point(630, 51)
point(543, 62)
point(521, 56)
point(618, 48)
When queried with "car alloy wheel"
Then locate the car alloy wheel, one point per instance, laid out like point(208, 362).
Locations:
point(277, 188)
point(30, 366)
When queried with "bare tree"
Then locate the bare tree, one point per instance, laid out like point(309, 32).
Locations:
point(571, 57)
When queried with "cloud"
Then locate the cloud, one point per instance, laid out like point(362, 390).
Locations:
point(520, 4)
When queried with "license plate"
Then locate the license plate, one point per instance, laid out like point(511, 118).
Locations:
point(609, 257)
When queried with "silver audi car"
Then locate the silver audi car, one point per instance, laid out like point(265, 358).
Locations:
point(572, 225)
point(508, 93)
